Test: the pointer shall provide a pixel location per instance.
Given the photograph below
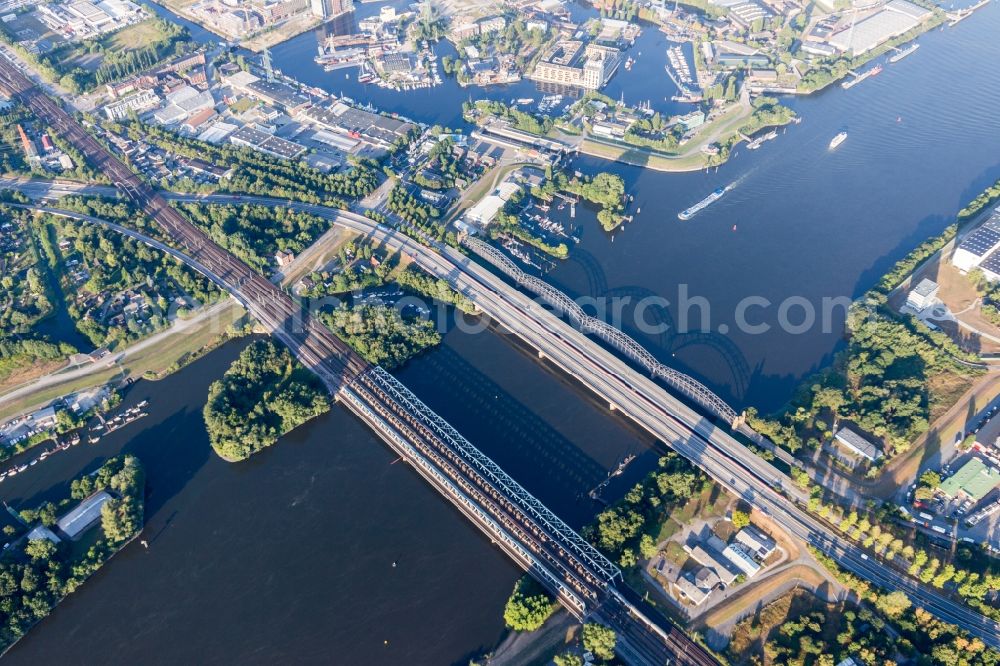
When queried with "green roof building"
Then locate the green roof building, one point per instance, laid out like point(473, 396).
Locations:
point(975, 479)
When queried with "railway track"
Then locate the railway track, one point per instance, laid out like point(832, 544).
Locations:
point(566, 565)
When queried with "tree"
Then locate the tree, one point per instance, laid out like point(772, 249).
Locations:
point(528, 607)
point(740, 519)
point(599, 640)
point(894, 604)
point(567, 659)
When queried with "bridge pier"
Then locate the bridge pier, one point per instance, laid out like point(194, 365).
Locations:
point(740, 419)
point(611, 406)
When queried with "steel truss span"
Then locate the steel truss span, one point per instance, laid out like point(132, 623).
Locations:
point(566, 306)
point(497, 476)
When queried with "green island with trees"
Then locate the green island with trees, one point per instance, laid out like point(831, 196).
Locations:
point(263, 395)
point(604, 189)
point(36, 574)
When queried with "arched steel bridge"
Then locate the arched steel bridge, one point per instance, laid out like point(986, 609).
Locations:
point(566, 306)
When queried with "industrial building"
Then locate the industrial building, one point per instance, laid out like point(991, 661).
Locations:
point(974, 480)
point(981, 249)
point(892, 20)
point(252, 137)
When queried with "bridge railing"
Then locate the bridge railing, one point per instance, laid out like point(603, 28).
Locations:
point(564, 305)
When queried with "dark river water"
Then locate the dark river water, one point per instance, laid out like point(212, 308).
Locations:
point(288, 557)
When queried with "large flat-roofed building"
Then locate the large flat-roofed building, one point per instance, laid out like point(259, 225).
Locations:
point(570, 63)
point(83, 516)
point(858, 444)
point(252, 137)
point(978, 247)
point(358, 123)
point(484, 211)
point(974, 480)
point(892, 20)
point(278, 93)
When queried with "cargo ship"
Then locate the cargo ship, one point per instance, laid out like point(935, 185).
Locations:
point(837, 140)
point(905, 52)
point(688, 213)
point(874, 71)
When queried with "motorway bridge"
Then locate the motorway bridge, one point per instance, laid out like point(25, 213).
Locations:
point(563, 562)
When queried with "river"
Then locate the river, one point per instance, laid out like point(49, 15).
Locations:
point(289, 556)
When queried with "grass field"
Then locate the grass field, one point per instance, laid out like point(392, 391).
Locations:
point(134, 36)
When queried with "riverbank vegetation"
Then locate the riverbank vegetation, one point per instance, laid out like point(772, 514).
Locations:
point(890, 381)
point(629, 529)
point(529, 606)
point(263, 395)
point(986, 198)
point(481, 111)
point(381, 334)
point(36, 574)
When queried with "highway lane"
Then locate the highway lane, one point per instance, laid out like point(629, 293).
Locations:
point(346, 374)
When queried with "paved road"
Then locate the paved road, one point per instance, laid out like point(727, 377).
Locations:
point(667, 418)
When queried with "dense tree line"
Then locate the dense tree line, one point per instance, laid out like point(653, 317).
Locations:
point(260, 174)
point(254, 232)
point(382, 335)
point(422, 216)
point(263, 395)
point(36, 574)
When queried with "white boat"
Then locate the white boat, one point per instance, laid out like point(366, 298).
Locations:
point(837, 140)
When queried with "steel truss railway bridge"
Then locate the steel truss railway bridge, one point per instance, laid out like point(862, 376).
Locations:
point(570, 568)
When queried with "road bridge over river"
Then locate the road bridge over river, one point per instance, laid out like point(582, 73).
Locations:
point(581, 578)
point(666, 417)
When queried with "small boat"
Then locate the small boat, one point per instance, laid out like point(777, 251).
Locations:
point(837, 140)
